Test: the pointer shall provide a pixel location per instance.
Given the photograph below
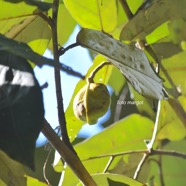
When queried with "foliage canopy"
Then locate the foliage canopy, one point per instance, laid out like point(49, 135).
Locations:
point(144, 138)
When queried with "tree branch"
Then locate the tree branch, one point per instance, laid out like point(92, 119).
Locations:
point(126, 9)
point(63, 50)
point(61, 114)
point(68, 156)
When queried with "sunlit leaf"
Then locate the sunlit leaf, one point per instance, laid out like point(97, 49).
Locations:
point(125, 135)
point(151, 17)
point(170, 126)
point(12, 172)
point(130, 60)
point(32, 181)
point(94, 14)
point(175, 67)
point(114, 180)
point(44, 6)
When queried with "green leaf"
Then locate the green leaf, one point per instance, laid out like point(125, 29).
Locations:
point(14, 10)
point(44, 6)
point(94, 14)
point(21, 108)
point(114, 180)
point(12, 173)
point(150, 18)
point(65, 25)
point(159, 33)
point(32, 181)
point(170, 126)
point(130, 60)
point(38, 40)
point(175, 66)
point(125, 135)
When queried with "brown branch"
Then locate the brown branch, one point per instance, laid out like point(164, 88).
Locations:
point(126, 9)
point(67, 155)
point(61, 114)
point(63, 50)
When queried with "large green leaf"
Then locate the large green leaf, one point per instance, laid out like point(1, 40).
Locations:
point(32, 181)
point(125, 135)
point(114, 180)
point(150, 18)
point(44, 6)
point(94, 14)
point(12, 172)
point(170, 126)
point(21, 108)
point(38, 40)
point(175, 67)
point(132, 62)
point(22, 23)
point(16, 14)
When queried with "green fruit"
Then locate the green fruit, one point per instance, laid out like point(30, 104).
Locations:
point(91, 102)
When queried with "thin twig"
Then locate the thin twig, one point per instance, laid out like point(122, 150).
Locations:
point(126, 9)
point(168, 153)
point(117, 154)
point(44, 167)
point(150, 152)
point(161, 171)
point(72, 72)
point(68, 156)
point(92, 75)
point(61, 114)
point(159, 163)
point(63, 50)
point(108, 164)
point(150, 145)
point(139, 167)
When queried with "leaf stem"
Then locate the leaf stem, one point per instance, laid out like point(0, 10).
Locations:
point(92, 75)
